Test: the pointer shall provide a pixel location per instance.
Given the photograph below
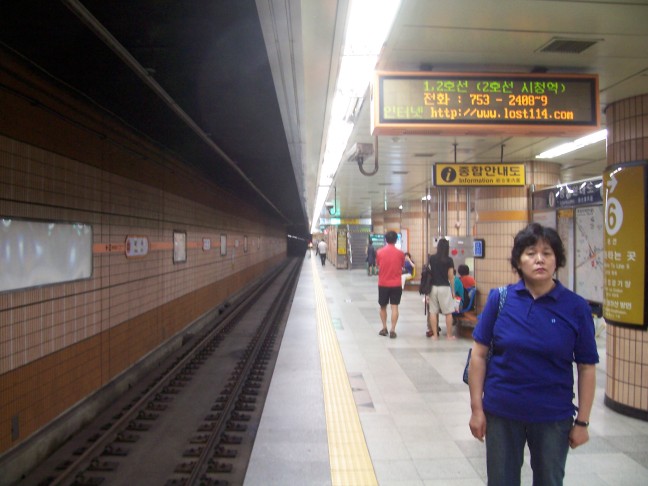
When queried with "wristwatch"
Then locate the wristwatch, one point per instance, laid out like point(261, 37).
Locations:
point(581, 423)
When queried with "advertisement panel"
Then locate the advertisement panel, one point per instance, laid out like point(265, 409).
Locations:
point(625, 244)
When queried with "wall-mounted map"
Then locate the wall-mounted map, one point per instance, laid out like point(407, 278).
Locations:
point(589, 252)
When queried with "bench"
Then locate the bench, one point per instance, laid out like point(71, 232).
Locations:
point(465, 323)
point(412, 285)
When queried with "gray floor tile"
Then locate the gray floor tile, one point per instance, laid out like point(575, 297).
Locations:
point(413, 406)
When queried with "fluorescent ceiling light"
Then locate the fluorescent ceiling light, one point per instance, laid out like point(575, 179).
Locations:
point(565, 148)
point(322, 192)
point(369, 23)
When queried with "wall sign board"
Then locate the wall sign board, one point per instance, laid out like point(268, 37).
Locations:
point(565, 227)
point(223, 245)
point(479, 175)
point(377, 240)
point(341, 242)
point(571, 194)
point(136, 246)
point(463, 103)
point(179, 246)
point(625, 244)
point(589, 275)
point(479, 248)
point(35, 253)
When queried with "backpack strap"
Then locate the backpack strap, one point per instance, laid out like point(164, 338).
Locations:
point(502, 298)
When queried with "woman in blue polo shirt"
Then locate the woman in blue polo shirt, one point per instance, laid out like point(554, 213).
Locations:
point(524, 394)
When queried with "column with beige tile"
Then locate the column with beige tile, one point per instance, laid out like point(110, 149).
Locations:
point(626, 389)
point(500, 212)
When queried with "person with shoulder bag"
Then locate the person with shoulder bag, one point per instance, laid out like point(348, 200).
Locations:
point(523, 394)
point(441, 298)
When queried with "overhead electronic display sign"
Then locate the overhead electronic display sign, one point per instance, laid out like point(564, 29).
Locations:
point(421, 103)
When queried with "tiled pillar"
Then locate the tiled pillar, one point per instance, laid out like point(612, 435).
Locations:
point(378, 223)
point(393, 220)
point(412, 220)
point(626, 388)
point(500, 212)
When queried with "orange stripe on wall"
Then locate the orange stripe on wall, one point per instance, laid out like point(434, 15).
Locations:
point(160, 245)
point(98, 248)
point(108, 248)
point(492, 216)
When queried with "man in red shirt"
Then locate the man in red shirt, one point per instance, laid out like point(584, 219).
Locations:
point(390, 261)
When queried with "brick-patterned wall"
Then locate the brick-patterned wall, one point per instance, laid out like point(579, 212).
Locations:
point(626, 387)
point(378, 224)
point(499, 214)
point(60, 343)
point(413, 220)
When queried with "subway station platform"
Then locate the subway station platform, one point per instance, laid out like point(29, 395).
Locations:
point(349, 407)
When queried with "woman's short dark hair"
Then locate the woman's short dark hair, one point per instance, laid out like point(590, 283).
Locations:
point(529, 236)
point(391, 237)
point(463, 270)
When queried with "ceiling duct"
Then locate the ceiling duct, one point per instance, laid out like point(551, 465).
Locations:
point(568, 46)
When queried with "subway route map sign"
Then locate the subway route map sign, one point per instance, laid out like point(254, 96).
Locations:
point(427, 103)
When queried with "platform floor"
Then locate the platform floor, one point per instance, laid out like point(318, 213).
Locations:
point(408, 419)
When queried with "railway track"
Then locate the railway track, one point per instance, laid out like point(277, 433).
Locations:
point(193, 423)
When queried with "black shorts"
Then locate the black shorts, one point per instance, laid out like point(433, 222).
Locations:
point(389, 295)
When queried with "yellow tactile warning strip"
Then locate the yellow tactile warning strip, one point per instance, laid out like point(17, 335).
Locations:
point(348, 453)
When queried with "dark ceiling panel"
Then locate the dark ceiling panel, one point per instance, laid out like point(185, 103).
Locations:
point(209, 56)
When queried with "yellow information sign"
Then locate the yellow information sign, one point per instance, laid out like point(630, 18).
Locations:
point(479, 175)
point(625, 244)
point(342, 243)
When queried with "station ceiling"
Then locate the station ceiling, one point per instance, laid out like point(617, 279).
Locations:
point(241, 89)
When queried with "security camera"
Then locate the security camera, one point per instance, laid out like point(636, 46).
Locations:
point(359, 151)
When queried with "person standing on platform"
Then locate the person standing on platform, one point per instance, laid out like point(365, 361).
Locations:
point(441, 298)
point(322, 248)
point(524, 393)
point(371, 258)
point(390, 262)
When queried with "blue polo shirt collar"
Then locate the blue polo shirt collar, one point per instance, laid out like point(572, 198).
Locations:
point(553, 294)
